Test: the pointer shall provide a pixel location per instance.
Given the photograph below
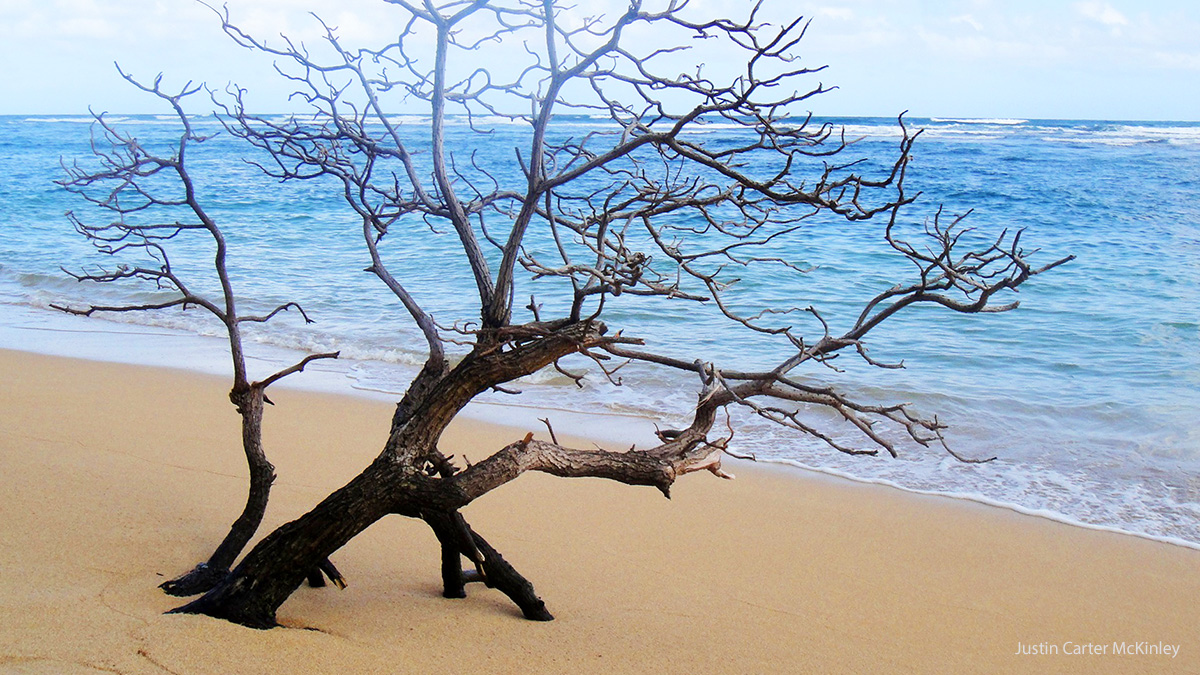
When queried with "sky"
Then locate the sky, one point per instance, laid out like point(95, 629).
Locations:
point(1027, 59)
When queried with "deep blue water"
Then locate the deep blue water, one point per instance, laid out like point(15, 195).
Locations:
point(1089, 393)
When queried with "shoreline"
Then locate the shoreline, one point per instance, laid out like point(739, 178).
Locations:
point(207, 355)
point(767, 573)
point(980, 500)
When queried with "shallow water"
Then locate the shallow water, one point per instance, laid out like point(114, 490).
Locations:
point(1088, 394)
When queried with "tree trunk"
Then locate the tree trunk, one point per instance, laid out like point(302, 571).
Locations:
point(401, 481)
point(454, 580)
point(262, 474)
point(208, 574)
point(277, 566)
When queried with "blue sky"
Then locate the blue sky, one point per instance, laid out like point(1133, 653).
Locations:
point(1093, 59)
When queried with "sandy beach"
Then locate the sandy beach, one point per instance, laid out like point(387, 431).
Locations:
point(117, 477)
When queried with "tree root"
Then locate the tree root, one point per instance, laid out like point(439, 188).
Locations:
point(458, 540)
point(200, 580)
point(204, 577)
point(502, 576)
point(316, 578)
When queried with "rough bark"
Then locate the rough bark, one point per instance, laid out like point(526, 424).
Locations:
point(457, 540)
point(207, 574)
point(448, 533)
point(408, 478)
point(282, 561)
point(498, 574)
point(396, 482)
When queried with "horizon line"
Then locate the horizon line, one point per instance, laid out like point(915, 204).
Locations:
point(998, 119)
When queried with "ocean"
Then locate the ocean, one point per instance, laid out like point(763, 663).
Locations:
point(1088, 394)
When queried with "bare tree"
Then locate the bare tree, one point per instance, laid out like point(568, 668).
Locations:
point(153, 201)
point(643, 207)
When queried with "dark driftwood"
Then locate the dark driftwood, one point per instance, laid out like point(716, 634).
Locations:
point(612, 203)
point(133, 184)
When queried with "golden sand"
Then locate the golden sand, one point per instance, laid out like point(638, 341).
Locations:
point(117, 477)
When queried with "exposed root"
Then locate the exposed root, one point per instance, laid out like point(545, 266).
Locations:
point(201, 579)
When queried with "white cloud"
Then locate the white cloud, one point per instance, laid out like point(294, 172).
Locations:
point(1180, 60)
point(1103, 13)
point(86, 27)
point(969, 20)
point(990, 49)
point(836, 13)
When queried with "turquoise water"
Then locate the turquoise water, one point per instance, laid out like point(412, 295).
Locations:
point(1089, 394)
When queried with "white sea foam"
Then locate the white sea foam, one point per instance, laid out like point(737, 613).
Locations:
point(1124, 135)
point(1047, 514)
point(59, 120)
point(409, 119)
point(870, 130)
point(1003, 121)
point(1189, 135)
point(964, 133)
